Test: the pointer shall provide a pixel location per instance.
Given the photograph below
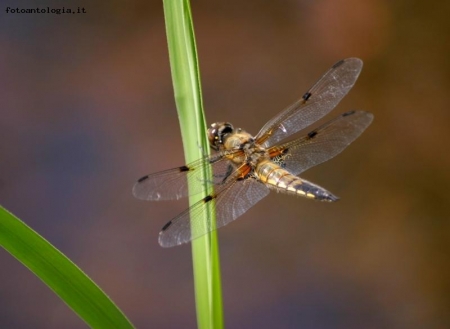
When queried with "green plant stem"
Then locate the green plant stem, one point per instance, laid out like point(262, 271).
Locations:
point(186, 83)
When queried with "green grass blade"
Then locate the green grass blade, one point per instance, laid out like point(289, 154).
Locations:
point(187, 89)
point(74, 287)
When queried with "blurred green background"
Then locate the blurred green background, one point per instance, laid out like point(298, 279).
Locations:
point(87, 107)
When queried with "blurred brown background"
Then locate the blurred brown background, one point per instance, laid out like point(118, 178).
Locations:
point(87, 107)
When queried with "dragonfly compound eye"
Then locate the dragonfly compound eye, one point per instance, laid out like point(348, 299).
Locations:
point(217, 132)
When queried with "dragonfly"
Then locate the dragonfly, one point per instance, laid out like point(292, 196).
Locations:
point(245, 167)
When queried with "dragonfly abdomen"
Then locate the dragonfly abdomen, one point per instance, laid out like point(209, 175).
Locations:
point(283, 181)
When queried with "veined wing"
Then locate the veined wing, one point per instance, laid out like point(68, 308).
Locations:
point(229, 202)
point(173, 183)
point(315, 103)
point(323, 143)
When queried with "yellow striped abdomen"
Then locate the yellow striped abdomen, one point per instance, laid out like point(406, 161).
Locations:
point(282, 180)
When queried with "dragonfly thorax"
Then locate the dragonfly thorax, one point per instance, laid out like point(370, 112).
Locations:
point(251, 152)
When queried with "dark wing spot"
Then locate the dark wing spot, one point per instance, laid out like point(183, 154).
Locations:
point(306, 96)
point(312, 134)
point(348, 113)
point(338, 64)
point(208, 198)
point(165, 227)
point(184, 168)
point(140, 180)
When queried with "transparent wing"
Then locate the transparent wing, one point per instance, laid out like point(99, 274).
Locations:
point(314, 104)
point(173, 183)
point(229, 203)
point(323, 143)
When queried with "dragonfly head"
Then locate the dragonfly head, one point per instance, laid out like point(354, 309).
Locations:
point(217, 133)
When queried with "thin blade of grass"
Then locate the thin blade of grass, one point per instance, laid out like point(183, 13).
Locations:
point(58, 272)
point(188, 97)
